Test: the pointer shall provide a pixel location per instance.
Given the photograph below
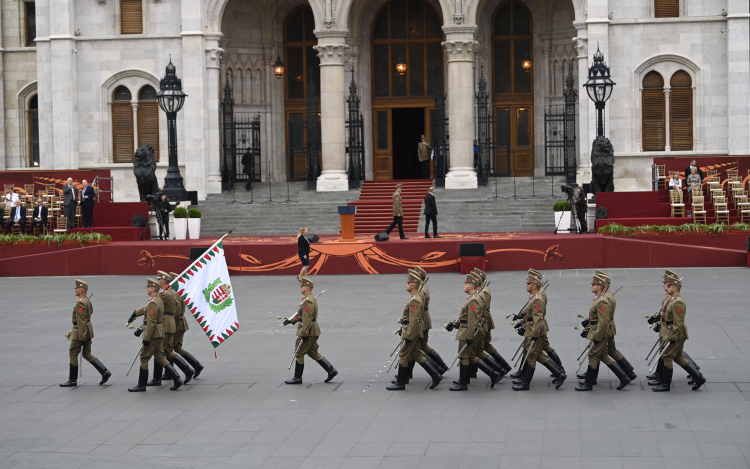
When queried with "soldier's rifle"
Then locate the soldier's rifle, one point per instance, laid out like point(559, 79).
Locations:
point(395, 352)
point(657, 357)
point(653, 348)
point(528, 351)
point(476, 331)
point(541, 290)
point(518, 349)
point(138, 354)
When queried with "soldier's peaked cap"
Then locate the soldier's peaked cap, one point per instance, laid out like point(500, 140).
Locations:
point(398, 185)
point(152, 283)
point(414, 277)
point(599, 280)
point(473, 279)
point(173, 275)
point(420, 271)
point(534, 276)
point(422, 136)
point(163, 275)
point(602, 274)
point(673, 281)
point(81, 284)
point(480, 273)
point(306, 282)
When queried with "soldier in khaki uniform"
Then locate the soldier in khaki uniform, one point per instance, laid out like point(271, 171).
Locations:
point(308, 332)
point(171, 306)
point(152, 337)
point(480, 356)
point(412, 331)
point(536, 329)
point(497, 361)
point(423, 153)
point(398, 214)
point(181, 323)
point(677, 333)
point(469, 328)
point(657, 320)
point(600, 314)
point(81, 337)
point(431, 353)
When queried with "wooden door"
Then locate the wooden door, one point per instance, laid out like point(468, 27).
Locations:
point(521, 140)
point(382, 159)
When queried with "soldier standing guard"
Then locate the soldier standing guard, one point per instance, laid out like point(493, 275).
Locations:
point(81, 337)
point(677, 333)
point(308, 332)
point(182, 327)
point(423, 153)
point(152, 337)
point(412, 331)
point(424, 293)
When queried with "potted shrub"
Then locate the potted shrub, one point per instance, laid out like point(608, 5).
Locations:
point(98, 238)
point(194, 223)
point(47, 239)
point(180, 215)
point(25, 240)
point(562, 216)
point(5, 239)
point(740, 227)
point(668, 230)
point(690, 228)
point(644, 230)
point(716, 228)
point(74, 238)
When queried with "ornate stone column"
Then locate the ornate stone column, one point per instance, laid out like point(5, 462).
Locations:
point(331, 48)
point(459, 48)
point(667, 120)
point(213, 73)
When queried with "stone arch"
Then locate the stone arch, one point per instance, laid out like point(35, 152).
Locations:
point(241, 18)
point(351, 13)
point(23, 98)
point(215, 11)
point(477, 8)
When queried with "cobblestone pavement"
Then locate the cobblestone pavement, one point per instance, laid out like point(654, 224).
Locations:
point(240, 414)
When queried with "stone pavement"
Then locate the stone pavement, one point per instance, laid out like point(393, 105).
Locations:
point(240, 414)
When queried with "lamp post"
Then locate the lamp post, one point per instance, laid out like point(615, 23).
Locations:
point(599, 88)
point(171, 98)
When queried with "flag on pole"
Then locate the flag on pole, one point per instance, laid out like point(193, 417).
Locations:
point(206, 289)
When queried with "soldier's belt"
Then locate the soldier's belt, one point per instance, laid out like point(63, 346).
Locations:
point(594, 322)
point(168, 314)
point(405, 323)
point(158, 322)
point(669, 323)
point(464, 321)
point(75, 323)
point(427, 309)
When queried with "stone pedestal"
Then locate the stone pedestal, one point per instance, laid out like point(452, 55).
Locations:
point(331, 48)
point(459, 48)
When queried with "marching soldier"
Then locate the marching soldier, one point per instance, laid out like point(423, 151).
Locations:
point(536, 329)
point(152, 337)
point(484, 293)
point(82, 335)
point(181, 323)
point(481, 338)
point(600, 314)
point(308, 332)
point(469, 328)
point(611, 347)
point(677, 334)
point(171, 305)
point(657, 320)
point(412, 331)
point(431, 353)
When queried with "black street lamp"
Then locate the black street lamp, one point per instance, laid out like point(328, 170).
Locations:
point(171, 98)
point(599, 87)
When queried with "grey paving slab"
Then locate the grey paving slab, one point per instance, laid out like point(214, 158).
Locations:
point(239, 413)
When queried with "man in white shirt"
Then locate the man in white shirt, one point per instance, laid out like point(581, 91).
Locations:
point(10, 198)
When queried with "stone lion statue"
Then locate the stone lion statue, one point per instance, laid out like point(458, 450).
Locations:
point(144, 168)
point(602, 166)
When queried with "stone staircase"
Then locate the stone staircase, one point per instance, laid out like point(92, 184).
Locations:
point(475, 210)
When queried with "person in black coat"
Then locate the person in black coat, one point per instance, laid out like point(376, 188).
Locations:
point(693, 165)
point(303, 250)
point(17, 214)
point(88, 194)
point(581, 208)
point(430, 213)
point(248, 162)
point(39, 216)
point(164, 207)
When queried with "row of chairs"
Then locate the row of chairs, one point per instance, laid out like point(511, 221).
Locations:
point(713, 180)
point(720, 204)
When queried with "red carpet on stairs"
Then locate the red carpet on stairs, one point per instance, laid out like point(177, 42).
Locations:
point(375, 205)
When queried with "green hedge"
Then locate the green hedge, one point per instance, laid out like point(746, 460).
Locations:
point(57, 238)
point(687, 228)
point(561, 206)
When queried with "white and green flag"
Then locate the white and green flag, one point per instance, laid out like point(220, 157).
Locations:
point(206, 289)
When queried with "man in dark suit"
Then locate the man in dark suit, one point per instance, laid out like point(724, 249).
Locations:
point(39, 216)
point(70, 194)
point(88, 194)
point(164, 207)
point(248, 161)
point(430, 213)
point(17, 217)
point(693, 165)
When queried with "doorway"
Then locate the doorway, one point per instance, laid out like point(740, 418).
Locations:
point(407, 127)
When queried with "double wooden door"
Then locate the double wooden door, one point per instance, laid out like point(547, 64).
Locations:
point(517, 158)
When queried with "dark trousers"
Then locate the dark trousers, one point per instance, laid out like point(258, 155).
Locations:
point(433, 219)
point(70, 214)
point(581, 214)
point(400, 222)
point(164, 230)
point(426, 169)
point(22, 224)
point(41, 224)
point(249, 184)
point(88, 215)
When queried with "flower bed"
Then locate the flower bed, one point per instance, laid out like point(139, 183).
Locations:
point(615, 229)
point(51, 239)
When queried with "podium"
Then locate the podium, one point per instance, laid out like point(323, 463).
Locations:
point(347, 214)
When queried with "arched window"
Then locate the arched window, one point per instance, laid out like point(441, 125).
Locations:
point(148, 119)
point(122, 125)
point(300, 57)
point(131, 16)
point(407, 30)
point(34, 131)
point(654, 138)
point(511, 43)
point(666, 8)
point(681, 111)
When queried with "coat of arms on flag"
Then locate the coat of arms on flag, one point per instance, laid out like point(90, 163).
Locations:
point(206, 289)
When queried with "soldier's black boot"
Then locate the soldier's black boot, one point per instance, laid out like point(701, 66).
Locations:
point(591, 375)
point(557, 372)
point(194, 363)
point(526, 380)
point(72, 378)
point(473, 370)
point(298, 369)
point(407, 376)
point(519, 380)
point(620, 373)
point(518, 373)
point(142, 378)
point(106, 374)
point(666, 380)
point(432, 370)
point(556, 358)
point(463, 381)
point(656, 375)
point(627, 368)
point(400, 384)
point(434, 365)
point(495, 366)
point(172, 373)
point(697, 377)
point(501, 361)
point(323, 362)
point(659, 372)
point(687, 357)
point(156, 381)
point(439, 360)
point(183, 365)
point(489, 371)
